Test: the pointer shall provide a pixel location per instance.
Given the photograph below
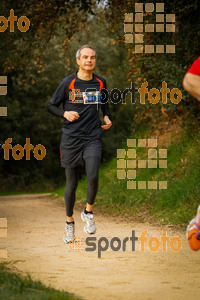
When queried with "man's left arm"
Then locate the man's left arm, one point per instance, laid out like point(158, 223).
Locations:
point(191, 81)
point(105, 109)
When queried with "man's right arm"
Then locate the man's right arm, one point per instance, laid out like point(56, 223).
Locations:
point(56, 100)
point(59, 97)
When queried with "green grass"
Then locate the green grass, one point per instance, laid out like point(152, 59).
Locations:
point(10, 193)
point(177, 204)
point(14, 286)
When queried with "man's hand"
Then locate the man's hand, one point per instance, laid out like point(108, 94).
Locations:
point(108, 123)
point(71, 115)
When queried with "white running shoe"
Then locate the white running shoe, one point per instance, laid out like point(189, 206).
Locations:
point(88, 219)
point(69, 233)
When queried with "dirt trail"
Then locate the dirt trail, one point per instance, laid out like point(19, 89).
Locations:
point(35, 246)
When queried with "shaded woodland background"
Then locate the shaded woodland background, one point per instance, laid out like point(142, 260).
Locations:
point(36, 61)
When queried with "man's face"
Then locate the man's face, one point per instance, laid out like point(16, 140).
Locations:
point(87, 59)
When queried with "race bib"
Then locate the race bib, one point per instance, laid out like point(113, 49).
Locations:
point(92, 97)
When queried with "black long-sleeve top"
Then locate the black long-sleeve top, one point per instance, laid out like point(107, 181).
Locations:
point(69, 94)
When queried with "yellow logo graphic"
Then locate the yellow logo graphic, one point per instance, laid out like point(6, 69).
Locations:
point(3, 234)
point(127, 163)
point(160, 26)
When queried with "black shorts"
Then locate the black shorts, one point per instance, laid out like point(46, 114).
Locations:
point(73, 150)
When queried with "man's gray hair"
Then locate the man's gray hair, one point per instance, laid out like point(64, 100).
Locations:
point(84, 46)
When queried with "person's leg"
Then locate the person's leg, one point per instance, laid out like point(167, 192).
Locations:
point(92, 165)
point(92, 170)
point(70, 196)
point(70, 191)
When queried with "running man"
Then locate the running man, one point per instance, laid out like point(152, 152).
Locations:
point(191, 83)
point(81, 141)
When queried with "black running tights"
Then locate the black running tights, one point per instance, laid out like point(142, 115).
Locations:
point(92, 165)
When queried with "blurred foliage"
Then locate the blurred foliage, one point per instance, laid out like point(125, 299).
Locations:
point(44, 16)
